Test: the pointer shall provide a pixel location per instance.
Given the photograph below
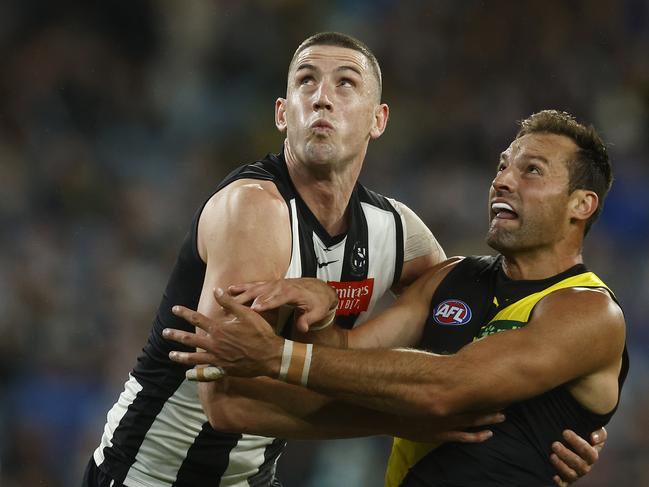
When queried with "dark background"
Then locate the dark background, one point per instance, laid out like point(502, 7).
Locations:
point(117, 119)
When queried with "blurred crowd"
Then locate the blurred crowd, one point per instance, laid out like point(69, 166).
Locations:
point(118, 119)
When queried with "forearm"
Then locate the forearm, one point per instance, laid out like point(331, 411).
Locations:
point(271, 408)
point(407, 382)
point(332, 336)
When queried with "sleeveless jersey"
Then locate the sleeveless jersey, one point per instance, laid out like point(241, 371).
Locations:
point(156, 434)
point(475, 300)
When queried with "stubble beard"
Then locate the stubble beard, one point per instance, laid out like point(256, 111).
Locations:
point(320, 152)
point(526, 237)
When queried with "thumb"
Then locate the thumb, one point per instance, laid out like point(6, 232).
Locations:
point(302, 323)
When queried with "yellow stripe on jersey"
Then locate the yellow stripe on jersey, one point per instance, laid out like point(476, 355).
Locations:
point(521, 309)
point(406, 453)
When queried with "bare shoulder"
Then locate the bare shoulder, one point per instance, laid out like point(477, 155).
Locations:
point(593, 304)
point(246, 195)
point(244, 201)
point(590, 315)
point(242, 209)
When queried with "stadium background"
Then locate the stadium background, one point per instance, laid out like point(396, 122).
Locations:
point(118, 118)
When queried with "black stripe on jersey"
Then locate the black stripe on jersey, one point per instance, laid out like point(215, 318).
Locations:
point(132, 429)
point(307, 252)
point(264, 477)
point(356, 263)
point(271, 168)
point(207, 458)
point(369, 196)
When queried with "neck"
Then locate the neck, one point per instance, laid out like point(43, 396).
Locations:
point(534, 265)
point(325, 189)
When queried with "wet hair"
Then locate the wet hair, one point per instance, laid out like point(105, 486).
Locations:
point(341, 40)
point(590, 169)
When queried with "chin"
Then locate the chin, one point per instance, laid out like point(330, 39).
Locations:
point(500, 241)
point(321, 153)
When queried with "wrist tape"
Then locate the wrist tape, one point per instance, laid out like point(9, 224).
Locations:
point(325, 322)
point(296, 362)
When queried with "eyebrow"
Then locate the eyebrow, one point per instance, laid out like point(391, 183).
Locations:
point(504, 157)
point(350, 68)
point(537, 157)
point(338, 69)
point(305, 66)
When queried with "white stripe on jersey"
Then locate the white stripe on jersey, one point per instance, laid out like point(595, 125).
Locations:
point(115, 415)
point(171, 435)
point(295, 266)
point(245, 460)
point(381, 238)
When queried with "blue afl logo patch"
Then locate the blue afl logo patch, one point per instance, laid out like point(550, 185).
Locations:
point(452, 312)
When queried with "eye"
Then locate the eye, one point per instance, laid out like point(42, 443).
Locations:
point(307, 80)
point(533, 169)
point(346, 82)
point(500, 167)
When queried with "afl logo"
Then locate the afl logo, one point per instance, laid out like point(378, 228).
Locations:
point(452, 312)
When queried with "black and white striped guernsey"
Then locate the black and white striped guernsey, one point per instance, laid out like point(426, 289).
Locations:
point(157, 434)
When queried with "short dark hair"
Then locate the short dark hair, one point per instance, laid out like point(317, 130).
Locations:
point(591, 168)
point(341, 40)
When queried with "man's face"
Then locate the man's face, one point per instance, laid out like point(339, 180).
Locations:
point(528, 199)
point(330, 110)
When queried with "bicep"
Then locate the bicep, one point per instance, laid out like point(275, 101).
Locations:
point(571, 335)
point(244, 235)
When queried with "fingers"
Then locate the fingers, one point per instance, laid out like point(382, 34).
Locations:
point(192, 358)
point(194, 317)
point(235, 289)
point(485, 419)
point(598, 438)
point(270, 301)
point(559, 482)
point(571, 465)
point(466, 436)
point(205, 374)
point(566, 474)
point(186, 338)
point(587, 453)
point(246, 293)
point(229, 304)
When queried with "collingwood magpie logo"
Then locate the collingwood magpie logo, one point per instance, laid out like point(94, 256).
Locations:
point(358, 259)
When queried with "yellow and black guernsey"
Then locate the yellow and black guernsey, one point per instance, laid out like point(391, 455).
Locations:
point(477, 299)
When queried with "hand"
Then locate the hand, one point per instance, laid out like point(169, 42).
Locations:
point(429, 431)
point(240, 342)
point(575, 462)
point(314, 300)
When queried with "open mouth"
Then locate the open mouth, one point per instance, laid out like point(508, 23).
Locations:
point(503, 211)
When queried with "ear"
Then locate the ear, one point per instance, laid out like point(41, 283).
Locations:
point(381, 115)
point(280, 114)
point(583, 203)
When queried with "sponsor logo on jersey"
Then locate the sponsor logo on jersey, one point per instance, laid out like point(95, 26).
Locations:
point(353, 296)
point(324, 264)
point(452, 312)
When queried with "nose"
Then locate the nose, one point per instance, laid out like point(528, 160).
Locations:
point(505, 180)
point(322, 98)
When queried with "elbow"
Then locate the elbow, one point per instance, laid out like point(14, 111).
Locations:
point(221, 414)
